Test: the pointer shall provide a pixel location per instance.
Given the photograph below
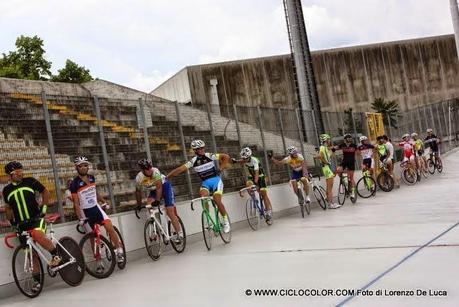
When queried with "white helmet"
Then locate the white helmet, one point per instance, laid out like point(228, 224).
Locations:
point(363, 138)
point(246, 153)
point(406, 135)
point(292, 150)
point(195, 144)
point(80, 160)
point(429, 130)
point(414, 134)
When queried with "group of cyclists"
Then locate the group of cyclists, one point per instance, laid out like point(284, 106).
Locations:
point(26, 214)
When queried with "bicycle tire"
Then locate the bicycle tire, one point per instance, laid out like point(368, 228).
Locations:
point(431, 166)
point(342, 193)
point(207, 230)
point(307, 207)
point(179, 248)
point(226, 237)
point(409, 177)
point(439, 166)
point(19, 255)
point(90, 259)
point(385, 182)
point(368, 184)
point(153, 239)
point(320, 197)
point(72, 274)
point(252, 213)
point(121, 265)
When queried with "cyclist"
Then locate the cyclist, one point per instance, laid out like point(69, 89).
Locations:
point(349, 149)
point(151, 180)
point(23, 210)
point(206, 166)
point(325, 158)
point(299, 170)
point(419, 152)
point(408, 150)
point(366, 150)
point(86, 202)
point(432, 141)
point(257, 177)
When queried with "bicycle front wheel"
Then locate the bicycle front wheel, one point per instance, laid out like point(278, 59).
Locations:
point(253, 216)
point(153, 239)
point(341, 193)
point(320, 197)
point(23, 274)
point(99, 257)
point(73, 273)
point(178, 247)
point(409, 176)
point(431, 166)
point(385, 182)
point(207, 230)
point(439, 166)
point(122, 264)
point(226, 237)
point(366, 187)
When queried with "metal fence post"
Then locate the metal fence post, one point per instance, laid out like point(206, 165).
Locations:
point(426, 122)
point(145, 131)
point(445, 116)
point(53, 157)
point(211, 126)
point(354, 128)
point(449, 125)
point(238, 130)
point(104, 153)
point(300, 134)
point(315, 127)
point(281, 122)
point(182, 140)
point(268, 168)
point(419, 120)
point(433, 120)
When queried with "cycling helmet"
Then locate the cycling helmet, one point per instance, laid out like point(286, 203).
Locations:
point(406, 135)
point(195, 144)
point(429, 130)
point(363, 138)
point(145, 164)
point(324, 137)
point(292, 150)
point(80, 160)
point(414, 135)
point(347, 136)
point(12, 166)
point(246, 153)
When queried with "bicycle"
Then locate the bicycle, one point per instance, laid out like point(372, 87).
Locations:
point(385, 180)
point(318, 191)
point(344, 189)
point(99, 253)
point(409, 175)
point(366, 186)
point(434, 163)
point(254, 208)
point(27, 255)
point(210, 225)
point(304, 205)
point(155, 235)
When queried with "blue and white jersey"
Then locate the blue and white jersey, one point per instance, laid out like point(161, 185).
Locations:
point(205, 166)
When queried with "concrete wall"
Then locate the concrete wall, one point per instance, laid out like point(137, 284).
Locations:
point(179, 90)
point(8, 85)
point(413, 72)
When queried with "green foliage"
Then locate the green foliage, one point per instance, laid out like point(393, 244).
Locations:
point(27, 61)
point(388, 109)
point(348, 122)
point(72, 73)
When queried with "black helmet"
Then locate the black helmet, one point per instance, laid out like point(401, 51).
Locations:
point(145, 163)
point(12, 166)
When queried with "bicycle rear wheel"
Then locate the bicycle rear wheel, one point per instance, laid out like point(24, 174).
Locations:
point(153, 239)
point(341, 193)
point(252, 213)
point(23, 275)
point(366, 187)
point(121, 265)
point(409, 176)
point(73, 273)
point(385, 182)
point(178, 247)
point(439, 166)
point(99, 258)
point(307, 206)
point(226, 237)
point(320, 197)
point(431, 166)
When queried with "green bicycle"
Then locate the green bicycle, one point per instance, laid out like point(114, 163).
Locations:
point(366, 186)
point(211, 226)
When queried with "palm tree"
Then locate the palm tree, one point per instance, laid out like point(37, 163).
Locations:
point(388, 109)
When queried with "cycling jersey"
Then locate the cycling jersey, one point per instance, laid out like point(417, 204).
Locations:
point(348, 156)
point(407, 148)
point(366, 150)
point(296, 163)
point(148, 183)
point(20, 197)
point(418, 144)
point(432, 142)
point(205, 166)
point(390, 149)
point(382, 150)
point(254, 165)
point(87, 193)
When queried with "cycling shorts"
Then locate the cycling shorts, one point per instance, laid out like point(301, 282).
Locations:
point(95, 215)
point(348, 165)
point(214, 185)
point(167, 194)
point(368, 162)
point(327, 172)
point(261, 183)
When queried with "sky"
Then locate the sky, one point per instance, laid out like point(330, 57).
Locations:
point(141, 43)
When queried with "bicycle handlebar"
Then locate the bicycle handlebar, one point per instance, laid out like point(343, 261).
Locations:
point(7, 237)
point(200, 199)
point(139, 208)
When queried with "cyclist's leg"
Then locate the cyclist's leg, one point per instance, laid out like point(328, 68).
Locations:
point(215, 185)
point(96, 215)
point(38, 234)
point(112, 233)
point(295, 177)
point(264, 194)
point(169, 201)
point(330, 177)
point(305, 182)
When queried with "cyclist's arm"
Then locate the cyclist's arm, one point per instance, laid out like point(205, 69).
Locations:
point(322, 158)
point(277, 162)
point(9, 213)
point(256, 177)
point(100, 198)
point(224, 160)
point(45, 197)
point(138, 196)
point(177, 171)
point(76, 205)
point(159, 190)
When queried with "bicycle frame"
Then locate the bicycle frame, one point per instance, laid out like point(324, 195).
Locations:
point(257, 204)
point(204, 203)
point(152, 215)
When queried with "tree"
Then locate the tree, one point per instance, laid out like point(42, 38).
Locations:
point(27, 61)
point(388, 109)
point(348, 122)
point(72, 73)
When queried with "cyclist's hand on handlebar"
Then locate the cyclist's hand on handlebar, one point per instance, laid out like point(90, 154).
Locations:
point(156, 203)
point(81, 222)
point(234, 161)
point(105, 206)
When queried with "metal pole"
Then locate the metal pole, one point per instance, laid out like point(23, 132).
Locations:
point(104, 153)
point(419, 120)
point(211, 126)
point(433, 119)
point(445, 116)
point(300, 134)
point(449, 125)
point(441, 131)
point(236, 118)
point(315, 127)
point(279, 114)
point(145, 131)
point(424, 110)
point(268, 168)
point(455, 19)
point(182, 140)
point(353, 127)
point(53, 157)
